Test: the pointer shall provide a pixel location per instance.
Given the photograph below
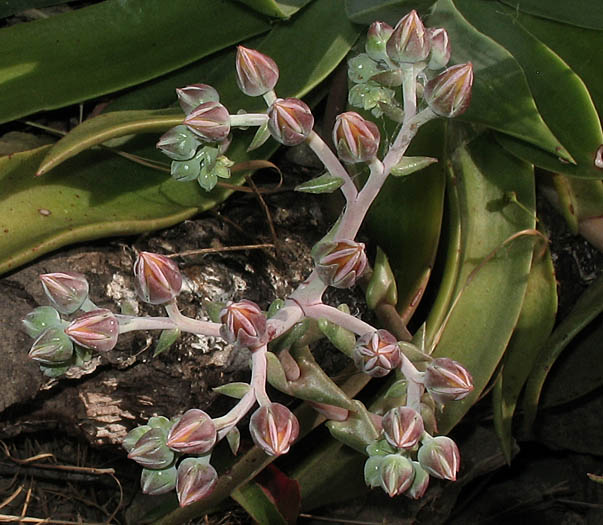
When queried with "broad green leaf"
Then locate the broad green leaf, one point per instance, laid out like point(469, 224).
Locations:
point(501, 98)
point(326, 183)
point(582, 13)
point(109, 46)
point(12, 7)
point(106, 126)
point(275, 8)
point(390, 11)
point(482, 321)
point(258, 504)
point(533, 327)
point(587, 308)
point(577, 199)
point(561, 96)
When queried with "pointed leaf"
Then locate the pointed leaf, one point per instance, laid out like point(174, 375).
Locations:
point(236, 390)
point(582, 13)
point(409, 165)
point(166, 340)
point(275, 8)
point(258, 504)
point(390, 11)
point(326, 183)
point(261, 136)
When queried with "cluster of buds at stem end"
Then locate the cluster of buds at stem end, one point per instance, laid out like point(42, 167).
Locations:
point(377, 353)
point(340, 264)
point(244, 323)
point(157, 278)
point(274, 428)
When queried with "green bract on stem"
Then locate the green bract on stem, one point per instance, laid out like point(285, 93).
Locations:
point(404, 455)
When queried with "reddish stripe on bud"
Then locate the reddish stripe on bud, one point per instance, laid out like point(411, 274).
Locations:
point(341, 264)
point(194, 433)
point(97, 330)
point(290, 121)
point(440, 457)
point(403, 427)
point(256, 73)
point(210, 121)
point(449, 94)
point(409, 42)
point(66, 290)
point(377, 353)
point(274, 428)
point(447, 380)
point(356, 139)
point(157, 278)
point(196, 480)
point(243, 323)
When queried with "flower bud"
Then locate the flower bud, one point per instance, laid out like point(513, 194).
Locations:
point(191, 97)
point(440, 457)
point(178, 143)
point(196, 480)
point(158, 279)
point(274, 428)
point(376, 40)
point(96, 330)
point(67, 291)
point(341, 263)
point(447, 380)
point(210, 121)
point(419, 484)
point(409, 41)
point(440, 47)
point(356, 139)
point(151, 452)
point(449, 94)
point(403, 427)
point(290, 121)
point(40, 319)
point(243, 323)
point(156, 482)
point(256, 73)
point(52, 347)
point(397, 474)
point(194, 433)
point(377, 353)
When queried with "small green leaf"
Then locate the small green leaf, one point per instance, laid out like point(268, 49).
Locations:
point(409, 165)
point(234, 440)
point(40, 319)
point(236, 390)
point(258, 504)
point(340, 338)
point(326, 183)
point(582, 13)
point(213, 309)
point(276, 8)
point(382, 285)
point(260, 137)
point(166, 340)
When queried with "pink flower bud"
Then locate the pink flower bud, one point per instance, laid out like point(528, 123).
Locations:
point(274, 428)
point(376, 40)
point(403, 427)
point(97, 330)
point(210, 121)
point(449, 94)
point(150, 450)
point(440, 48)
point(191, 97)
point(356, 139)
point(397, 474)
point(440, 457)
point(256, 73)
point(52, 347)
point(158, 279)
point(196, 480)
point(419, 484)
point(447, 380)
point(340, 264)
point(243, 323)
point(194, 433)
point(409, 41)
point(67, 291)
point(377, 353)
point(290, 121)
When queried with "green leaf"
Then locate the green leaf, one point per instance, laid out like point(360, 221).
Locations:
point(588, 306)
point(326, 183)
point(382, 284)
point(275, 8)
point(533, 327)
point(390, 11)
point(501, 98)
point(409, 165)
point(236, 390)
point(582, 13)
point(109, 46)
point(258, 504)
point(166, 340)
point(108, 126)
point(561, 96)
point(483, 319)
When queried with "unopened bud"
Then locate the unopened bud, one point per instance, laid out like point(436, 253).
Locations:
point(194, 433)
point(156, 482)
point(440, 457)
point(403, 427)
point(151, 452)
point(243, 323)
point(341, 263)
point(256, 73)
point(420, 482)
point(376, 40)
point(372, 471)
point(196, 480)
point(274, 428)
point(40, 319)
point(409, 41)
point(67, 291)
point(397, 474)
point(178, 143)
point(440, 47)
point(191, 97)
point(356, 139)
point(157, 278)
point(52, 347)
point(96, 330)
point(449, 94)
point(210, 121)
point(447, 380)
point(377, 353)
point(290, 121)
